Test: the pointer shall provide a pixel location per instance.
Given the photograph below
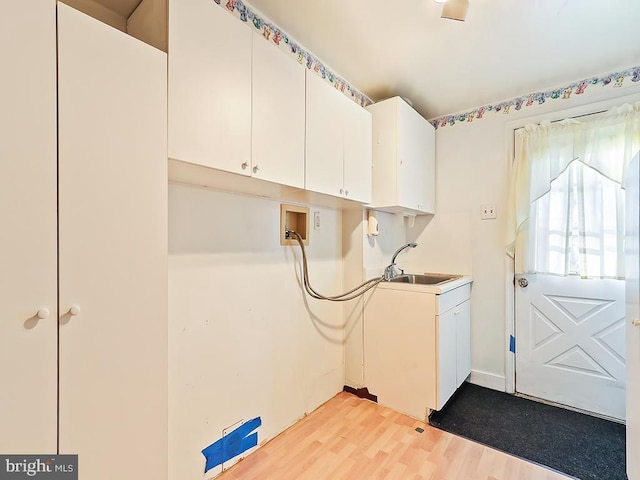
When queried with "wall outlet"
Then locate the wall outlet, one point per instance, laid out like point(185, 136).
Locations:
point(488, 212)
point(316, 220)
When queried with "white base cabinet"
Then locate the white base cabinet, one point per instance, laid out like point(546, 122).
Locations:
point(453, 346)
point(417, 347)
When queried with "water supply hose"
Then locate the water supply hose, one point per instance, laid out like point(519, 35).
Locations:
point(343, 297)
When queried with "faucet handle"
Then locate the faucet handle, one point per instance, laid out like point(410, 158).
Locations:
point(388, 272)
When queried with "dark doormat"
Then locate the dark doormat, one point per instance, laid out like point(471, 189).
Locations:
point(578, 445)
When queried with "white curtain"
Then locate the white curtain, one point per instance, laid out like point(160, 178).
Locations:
point(567, 196)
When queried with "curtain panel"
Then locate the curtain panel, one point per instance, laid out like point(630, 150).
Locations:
point(566, 193)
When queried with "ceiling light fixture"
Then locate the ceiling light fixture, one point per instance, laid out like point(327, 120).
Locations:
point(455, 9)
point(440, 1)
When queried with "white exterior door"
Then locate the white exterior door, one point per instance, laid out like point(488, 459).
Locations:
point(570, 342)
point(632, 274)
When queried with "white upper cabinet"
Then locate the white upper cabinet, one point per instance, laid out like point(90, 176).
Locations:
point(277, 119)
point(209, 86)
point(236, 101)
point(324, 138)
point(28, 342)
point(338, 152)
point(239, 103)
point(403, 159)
point(357, 152)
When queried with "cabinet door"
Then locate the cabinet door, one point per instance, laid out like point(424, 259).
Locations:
point(357, 152)
point(463, 341)
point(209, 86)
point(112, 250)
point(324, 137)
point(277, 115)
point(413, 158)
point(447, 345)
point(28, 345)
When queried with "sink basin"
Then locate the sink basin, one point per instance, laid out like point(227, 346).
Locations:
point(426, 279)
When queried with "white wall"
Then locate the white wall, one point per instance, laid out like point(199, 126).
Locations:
point(244, 341)
point(472, 169)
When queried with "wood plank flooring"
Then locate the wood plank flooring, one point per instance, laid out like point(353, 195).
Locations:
point(354, 439)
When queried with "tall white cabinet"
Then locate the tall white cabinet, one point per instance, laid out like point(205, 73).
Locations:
point(28, 345)
point(112, 178)
point(86, 261)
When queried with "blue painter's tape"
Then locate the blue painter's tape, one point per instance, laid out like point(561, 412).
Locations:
point(239, 440)
point(512, 344)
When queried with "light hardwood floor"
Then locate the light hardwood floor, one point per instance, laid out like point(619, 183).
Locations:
point(351, 438)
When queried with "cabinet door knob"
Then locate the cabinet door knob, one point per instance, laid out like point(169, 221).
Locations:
point(43, 313)
point(523, 282)
point(244, 165)
point(341, 191)
point(635, 323)
point(255, 169)
point(346, 193)
point(74, 310)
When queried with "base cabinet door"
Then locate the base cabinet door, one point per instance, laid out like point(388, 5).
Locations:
point(112, 251)
point(28, 342)
point(446, 346)
point(454, 341)
point(463, 341)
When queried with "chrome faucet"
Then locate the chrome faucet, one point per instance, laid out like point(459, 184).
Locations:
point(390, 271)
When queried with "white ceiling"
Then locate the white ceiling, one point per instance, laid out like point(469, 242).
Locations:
point(504, 49)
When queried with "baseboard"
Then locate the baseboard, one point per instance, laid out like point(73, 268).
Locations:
point(488, 380)
point(361, 392)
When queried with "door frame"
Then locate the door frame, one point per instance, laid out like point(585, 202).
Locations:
point(509, 263)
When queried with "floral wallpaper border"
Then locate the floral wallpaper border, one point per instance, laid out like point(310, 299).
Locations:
point(538, 98)
point(278, 37)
